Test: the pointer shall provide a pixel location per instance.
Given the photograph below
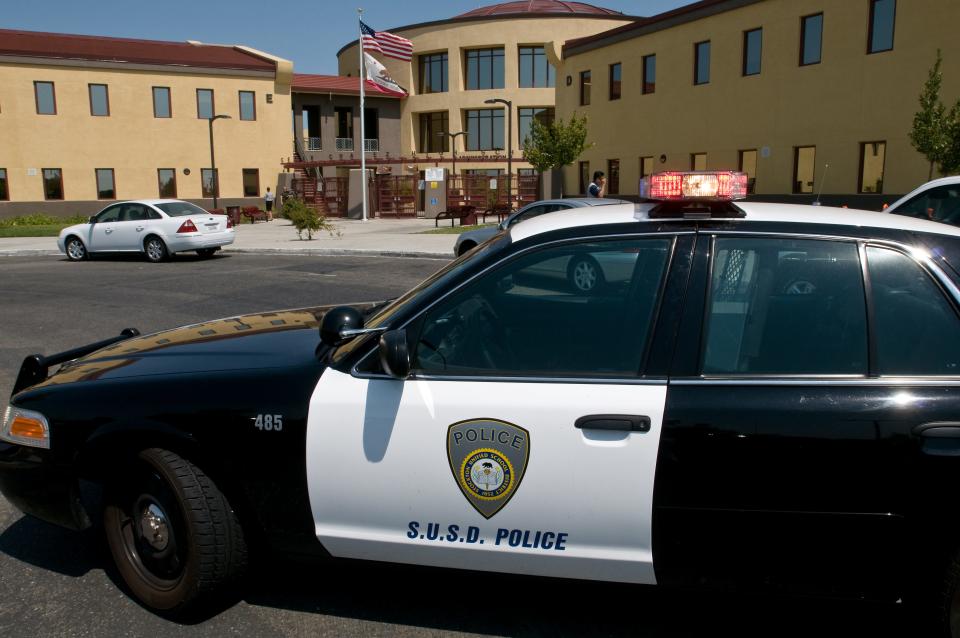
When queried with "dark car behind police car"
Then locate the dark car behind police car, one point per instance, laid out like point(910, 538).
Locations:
point(769, 399)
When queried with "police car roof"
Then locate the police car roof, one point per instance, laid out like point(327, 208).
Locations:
point(755, 212)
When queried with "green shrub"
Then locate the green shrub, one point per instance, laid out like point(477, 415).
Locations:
point(41, 219)
point(305, 218)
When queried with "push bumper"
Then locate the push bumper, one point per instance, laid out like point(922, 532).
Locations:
point(31, 480)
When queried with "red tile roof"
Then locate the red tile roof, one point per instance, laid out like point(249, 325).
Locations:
point(539, 6)
point(65, 46)
point(339, 84)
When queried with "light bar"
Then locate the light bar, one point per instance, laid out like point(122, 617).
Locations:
point(695, 185)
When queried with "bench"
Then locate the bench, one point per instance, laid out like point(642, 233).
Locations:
point(254, 214)
point(502, 211)
point(466, 215)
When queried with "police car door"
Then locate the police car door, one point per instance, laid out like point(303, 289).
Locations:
point(525, 439)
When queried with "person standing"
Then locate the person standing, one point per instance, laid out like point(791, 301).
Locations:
point(268, 200)
point(598, 187)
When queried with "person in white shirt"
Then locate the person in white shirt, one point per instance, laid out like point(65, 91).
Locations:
point(268, 199)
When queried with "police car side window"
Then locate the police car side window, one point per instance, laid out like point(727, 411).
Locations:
point(916, 326)
point(572, 310)
point(785, 307)
point(940, 204)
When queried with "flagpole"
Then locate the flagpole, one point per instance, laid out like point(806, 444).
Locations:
point(363, 131)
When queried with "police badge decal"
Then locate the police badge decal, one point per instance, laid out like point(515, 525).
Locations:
point(488, 458)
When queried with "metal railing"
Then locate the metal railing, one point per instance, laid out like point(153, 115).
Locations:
point(371, 146)
point(314, 144)
point(344, 144)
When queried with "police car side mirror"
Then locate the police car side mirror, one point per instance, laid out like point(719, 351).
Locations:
point(394, 353)
point(337, 324)
point(93, 219)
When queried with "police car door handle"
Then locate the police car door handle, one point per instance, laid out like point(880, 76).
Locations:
point(939, 438)
point(614, 422)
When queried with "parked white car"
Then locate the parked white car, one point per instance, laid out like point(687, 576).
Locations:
point(937, 200)
point(155, 227)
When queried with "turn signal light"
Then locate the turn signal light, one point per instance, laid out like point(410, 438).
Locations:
point(187, 227)
point(25, 427)
point(28, 428)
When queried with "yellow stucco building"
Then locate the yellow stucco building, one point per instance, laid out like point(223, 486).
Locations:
point(494, 52)
point(802, 94)
point(85, 120)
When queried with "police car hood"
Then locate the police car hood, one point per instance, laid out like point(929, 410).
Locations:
point(268, 340)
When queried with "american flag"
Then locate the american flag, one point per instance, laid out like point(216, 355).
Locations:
point(390, 45)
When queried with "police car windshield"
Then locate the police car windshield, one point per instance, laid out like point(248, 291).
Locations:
point(181, 209)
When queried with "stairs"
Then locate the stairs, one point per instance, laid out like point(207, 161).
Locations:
point(311, 184)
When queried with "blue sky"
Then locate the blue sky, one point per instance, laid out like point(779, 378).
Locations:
point(310, 34)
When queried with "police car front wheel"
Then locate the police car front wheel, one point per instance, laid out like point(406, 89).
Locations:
point(172, 533)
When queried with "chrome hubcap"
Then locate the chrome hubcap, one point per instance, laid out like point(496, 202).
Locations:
point(154, 251)
point(585, 276)
point(75, 249)
point(154, 527)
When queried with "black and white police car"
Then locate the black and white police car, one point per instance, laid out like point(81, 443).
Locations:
point(768, 399)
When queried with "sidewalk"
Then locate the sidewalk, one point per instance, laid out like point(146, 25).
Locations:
point(375, 237)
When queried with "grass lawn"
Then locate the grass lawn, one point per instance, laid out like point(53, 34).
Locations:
point(32, 231)
point(454, 230)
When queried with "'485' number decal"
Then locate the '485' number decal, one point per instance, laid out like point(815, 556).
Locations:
point(269, 422)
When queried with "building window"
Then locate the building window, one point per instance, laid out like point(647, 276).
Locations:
point(433, 132)
point(46, 98)
point(535, 70)
point(248, 105)
point(485, 129)
point(251, 182)
point(99, 99)
point(484, 69)
point(811, 39)
point(646, 166)
point(804, 166)
point(4, 186)
point(205, 104)
point(371, 126)
point(344, 124)
point(698, 161)
point(52, 183)
point(616, 71)
point(106, 188)
point(167, 181)
point(161, 102)
point(433, 73)
point(752, 47)
point(526, 116)
point(613, 177)
point(701, 63)
point(882, 17)
point(872, 155)
point(649, 74)
point(210, 182)
point(585, 83)
point(747, 163)
point(584, 176)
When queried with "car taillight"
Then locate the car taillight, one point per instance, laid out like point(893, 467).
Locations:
point(187, 227)
point(229, 222)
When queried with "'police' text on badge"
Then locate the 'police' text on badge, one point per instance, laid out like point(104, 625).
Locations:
point(488, 459)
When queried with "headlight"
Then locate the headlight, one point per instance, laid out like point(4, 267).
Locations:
point(25, 427)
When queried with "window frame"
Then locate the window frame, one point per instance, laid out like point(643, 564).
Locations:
point(653, 165)
point(803, 39)
point(5, 181)
point(746, 44)
point(871, 25)
point(425, 121)
point(484, 56)
point(647, 87)
point(585, 180)
point(751, 188)
point(693, 161)
point(43, 177)
point(53, 95)
point(427, 59)
point(106, 96)
point(243, 176)
point(534, 111)
point(883, 167)
point(213, 106)
point(153, 93)
point(588, 85)
point(216, 183)
point(549, 82)
point(480, 117)
point(616, 67)
point(160, 183)
point(796, 169)
point(253, 105)
point(613, 177)
point(113, 182)
point(696, 62)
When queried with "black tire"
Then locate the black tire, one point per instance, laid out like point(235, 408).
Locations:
point(154, 249)
point(466, 246)
point(175, 539)
point(207, 253)
point(585, 274)
point(75, 249)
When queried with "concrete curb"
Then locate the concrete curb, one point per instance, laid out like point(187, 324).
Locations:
point(306, 252)
point(29, 253)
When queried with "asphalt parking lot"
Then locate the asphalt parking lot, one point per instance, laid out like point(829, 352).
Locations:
point(55, 582)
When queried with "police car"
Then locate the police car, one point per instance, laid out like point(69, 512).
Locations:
point(770, 400)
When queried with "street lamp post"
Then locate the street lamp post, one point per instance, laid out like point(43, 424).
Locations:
point(213, 164)
point(509, 105)
point(453, 145)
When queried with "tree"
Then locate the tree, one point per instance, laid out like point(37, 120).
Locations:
point(931, 124)
point(553, 145)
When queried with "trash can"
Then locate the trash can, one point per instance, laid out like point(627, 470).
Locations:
point(233, 213)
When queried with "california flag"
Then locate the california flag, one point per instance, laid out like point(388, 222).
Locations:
point(378, 79)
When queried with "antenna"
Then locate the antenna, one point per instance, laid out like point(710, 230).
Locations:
point(823, 179)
